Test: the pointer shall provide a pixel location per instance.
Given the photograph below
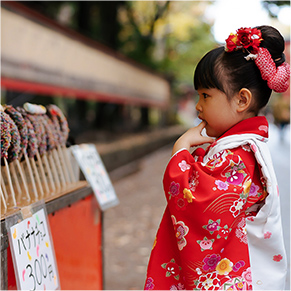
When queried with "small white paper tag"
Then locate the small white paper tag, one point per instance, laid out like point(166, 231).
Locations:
point(95, 173)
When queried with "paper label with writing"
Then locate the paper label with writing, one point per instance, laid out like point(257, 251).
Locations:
point(95, 173)
point(34, 259)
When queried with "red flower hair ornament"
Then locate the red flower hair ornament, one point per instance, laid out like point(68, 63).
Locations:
point(249, 39)
point(243, 39)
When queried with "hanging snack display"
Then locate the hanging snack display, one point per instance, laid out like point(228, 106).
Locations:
point(35, 162)
point(21, 126)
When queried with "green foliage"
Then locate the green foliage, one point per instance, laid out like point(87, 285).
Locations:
point(182, 57)
point(138, 21)
point(169, 37)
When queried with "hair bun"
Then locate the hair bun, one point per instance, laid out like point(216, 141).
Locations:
point(280, 60)
point(274, 42)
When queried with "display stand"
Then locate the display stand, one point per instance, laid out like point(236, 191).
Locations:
point(76, 228)
point(51, 221)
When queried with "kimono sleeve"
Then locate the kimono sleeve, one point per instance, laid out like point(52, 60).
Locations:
point(233, 173)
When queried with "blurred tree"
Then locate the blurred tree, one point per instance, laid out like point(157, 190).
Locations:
point(169, 36)
point(138, 27)
point(138, 40)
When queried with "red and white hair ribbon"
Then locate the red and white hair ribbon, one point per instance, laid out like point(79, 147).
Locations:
point(277, 77)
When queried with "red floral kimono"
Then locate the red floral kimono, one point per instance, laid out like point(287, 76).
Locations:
point(212, 235)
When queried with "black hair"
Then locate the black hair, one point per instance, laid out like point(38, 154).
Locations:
point(230, 71)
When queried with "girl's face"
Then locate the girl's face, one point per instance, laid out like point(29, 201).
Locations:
point(219, 113)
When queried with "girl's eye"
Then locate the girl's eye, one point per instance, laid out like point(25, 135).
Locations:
point(204, 95)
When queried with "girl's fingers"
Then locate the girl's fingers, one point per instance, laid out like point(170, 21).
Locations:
point(202, 124)
point(208, 139)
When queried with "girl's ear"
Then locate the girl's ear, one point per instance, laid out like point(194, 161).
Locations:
point(244, 99)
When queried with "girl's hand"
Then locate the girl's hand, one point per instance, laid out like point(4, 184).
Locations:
point(191, 138)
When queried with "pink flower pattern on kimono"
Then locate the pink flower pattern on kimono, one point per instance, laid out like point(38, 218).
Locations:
point(253, 190)
point(150, 284)
point(235, 178)
point(184, 166)
point(179, 286)
point(174, 189)
point(247, 275)
point(236, 174)
point(210, 262)
point(238, 265)
point(212, 225)
point(221, 185)
point(205, 244)
point(181, 230)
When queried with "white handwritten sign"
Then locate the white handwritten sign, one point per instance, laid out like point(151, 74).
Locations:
point(96, 174)
point(34, 260)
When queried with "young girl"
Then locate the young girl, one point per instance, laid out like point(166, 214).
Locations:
point(221, 229)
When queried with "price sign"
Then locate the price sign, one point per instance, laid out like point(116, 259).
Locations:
point(33, 255)
point(95, 173)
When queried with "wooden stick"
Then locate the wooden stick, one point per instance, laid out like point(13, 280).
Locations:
point(57, 160)
point(4, 187)
point(31, 176)
point(69, 165)
point(54, 170)
point(37, 176)
point(63, 164)
point(3, 199)
point(66, 165)
point(46, 163)
point(10, 182)
point(15, 178)
point(24, 182)
point(39, 162)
